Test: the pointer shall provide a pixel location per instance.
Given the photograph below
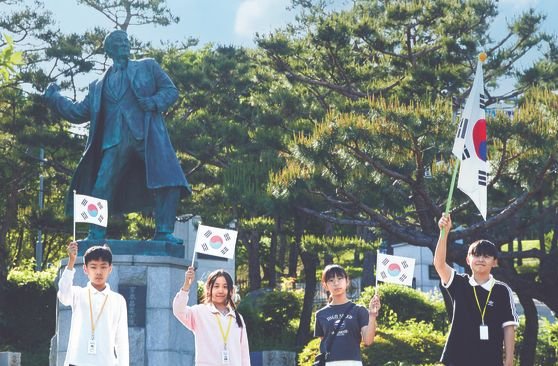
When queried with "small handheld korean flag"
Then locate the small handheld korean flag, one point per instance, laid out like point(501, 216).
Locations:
point(90, 210)
point(215, 241)
point(395, 269)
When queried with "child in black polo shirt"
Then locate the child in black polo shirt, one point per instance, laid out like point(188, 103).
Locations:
point(484, 316)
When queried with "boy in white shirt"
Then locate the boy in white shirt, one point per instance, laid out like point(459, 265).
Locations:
point(99, 328)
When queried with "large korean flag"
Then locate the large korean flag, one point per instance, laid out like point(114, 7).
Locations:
point(395, 269)
point(215, 241)
point(470, 146)
point(91, 210)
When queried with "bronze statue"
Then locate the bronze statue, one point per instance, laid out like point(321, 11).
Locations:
point(129, 159)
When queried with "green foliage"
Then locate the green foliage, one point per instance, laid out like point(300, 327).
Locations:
point(25, 274)
point(547, 344)
point(401, 304)
point(27, 314)
point(9, 58)
point(271, 318)
point(415, 343)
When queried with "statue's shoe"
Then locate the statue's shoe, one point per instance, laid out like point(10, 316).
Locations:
point(96, 236)
point(169, 238)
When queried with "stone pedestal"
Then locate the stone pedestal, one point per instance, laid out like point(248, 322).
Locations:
point(10, 359)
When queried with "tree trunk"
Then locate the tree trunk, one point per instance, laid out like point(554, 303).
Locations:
point(310, 263)
point(254, 275)
point(272, 262)
point(282, 252)
point(529, 345)
point(295, 245)
point(368, 265)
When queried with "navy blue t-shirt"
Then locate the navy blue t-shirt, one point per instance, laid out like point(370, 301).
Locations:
point(346, 346)
point(464, 346)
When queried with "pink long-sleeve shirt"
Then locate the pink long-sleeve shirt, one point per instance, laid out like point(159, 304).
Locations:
point(202, 321)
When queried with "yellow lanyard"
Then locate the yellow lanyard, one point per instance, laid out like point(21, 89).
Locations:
point(91, 313)
point(223, 334)
point(483, 311)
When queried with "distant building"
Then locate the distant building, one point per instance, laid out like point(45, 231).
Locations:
point(507, 108)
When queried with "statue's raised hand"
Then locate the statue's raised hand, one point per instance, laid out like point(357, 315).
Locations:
point(51, 89)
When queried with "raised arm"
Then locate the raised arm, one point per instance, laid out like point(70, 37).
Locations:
point(369, 331)
point(75, 112)
point(65, 293)
point(180, 307)
point(443, 269)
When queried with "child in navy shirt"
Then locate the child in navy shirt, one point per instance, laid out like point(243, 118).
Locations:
point(359, 324)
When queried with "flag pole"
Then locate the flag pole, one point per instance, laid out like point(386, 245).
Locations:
point(74, 215)
point(376, 275)
point(193, 257)
point(452, 186)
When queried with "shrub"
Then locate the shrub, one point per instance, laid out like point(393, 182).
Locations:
point(271, 318)
point(29, 314)
point(401, 303)
point(547, 342)
point(411, 343)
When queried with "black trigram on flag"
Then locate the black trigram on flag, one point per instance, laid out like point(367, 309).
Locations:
point(483, 178)
point(204, 247)
point(385, 261)
point(84, 215)
point(207, 234)
point(227, 237)
point(403, 277)
point(482, 101)
point(100, 205)
point(101, 218)
point(383, 274)
point(404, 264)
point(466, 154)
point(224, 250)
point(462, 128)
point(84, 202)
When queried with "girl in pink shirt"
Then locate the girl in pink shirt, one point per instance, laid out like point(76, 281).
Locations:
point(218, 328)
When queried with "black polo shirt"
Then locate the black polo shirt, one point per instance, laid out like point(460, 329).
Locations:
point(464, 346)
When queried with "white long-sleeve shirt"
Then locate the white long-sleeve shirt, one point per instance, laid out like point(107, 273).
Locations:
point(202, 320)
point(111, 330)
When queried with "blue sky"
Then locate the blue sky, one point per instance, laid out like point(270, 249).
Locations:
point(236, 21)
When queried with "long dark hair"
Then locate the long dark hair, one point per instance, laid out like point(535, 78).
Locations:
point(230, 287)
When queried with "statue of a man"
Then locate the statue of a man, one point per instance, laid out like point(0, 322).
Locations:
point(128, 159)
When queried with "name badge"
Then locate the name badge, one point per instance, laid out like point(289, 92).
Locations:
point(483, 330)
point(92, 347)
point(225, 357)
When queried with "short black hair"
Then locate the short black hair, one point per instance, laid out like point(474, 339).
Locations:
point(98, 252)
point(483, 247)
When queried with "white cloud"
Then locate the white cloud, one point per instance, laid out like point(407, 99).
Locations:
point(260, 16)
